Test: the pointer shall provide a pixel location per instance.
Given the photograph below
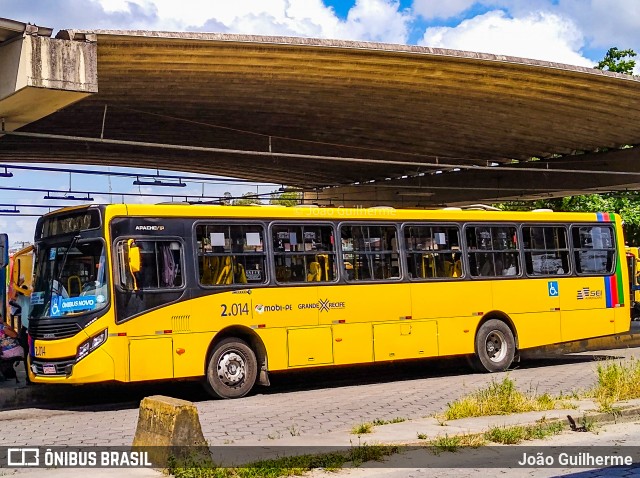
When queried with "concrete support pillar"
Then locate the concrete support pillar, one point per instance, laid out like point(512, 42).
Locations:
point(40, 75)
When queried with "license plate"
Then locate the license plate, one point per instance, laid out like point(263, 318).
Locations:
point(49, 369)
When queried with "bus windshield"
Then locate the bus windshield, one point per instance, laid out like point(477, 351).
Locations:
point(70, 279)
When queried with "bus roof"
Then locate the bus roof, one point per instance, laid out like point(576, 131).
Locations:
point(345, 214)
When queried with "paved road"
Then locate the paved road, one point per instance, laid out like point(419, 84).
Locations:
point(622, 438)
point(298, 404)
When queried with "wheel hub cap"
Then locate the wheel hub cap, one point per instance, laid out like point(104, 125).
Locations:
point(231, 369)
point(495, 346)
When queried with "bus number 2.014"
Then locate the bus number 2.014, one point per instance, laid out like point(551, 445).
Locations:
point(234, 309)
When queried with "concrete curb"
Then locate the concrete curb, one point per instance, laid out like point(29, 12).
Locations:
point(405, 434)
point(35, 395)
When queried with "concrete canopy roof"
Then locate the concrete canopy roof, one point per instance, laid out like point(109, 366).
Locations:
point(404, 109)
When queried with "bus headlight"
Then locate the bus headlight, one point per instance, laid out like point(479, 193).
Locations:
point(91, 344)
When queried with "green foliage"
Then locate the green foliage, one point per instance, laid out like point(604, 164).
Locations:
point(616, 381)
point(287, 198)
point(499, 398)
point(286, 466)
point(627, 204)
point(615, 60)
point(247, 199)
point(516, 434)
point(378, 421)
point(362, 428)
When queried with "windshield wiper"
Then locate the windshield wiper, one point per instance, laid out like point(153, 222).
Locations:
point(62, 264)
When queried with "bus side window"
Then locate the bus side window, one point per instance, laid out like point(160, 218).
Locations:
point(370, 252)
point(230, 254)
point(150, 264)
point(433, 252)
point(304, 253)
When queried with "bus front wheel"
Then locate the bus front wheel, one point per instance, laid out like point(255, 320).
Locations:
point(232, 369)
point(495, 347)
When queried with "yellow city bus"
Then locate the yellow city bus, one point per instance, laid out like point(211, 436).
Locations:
point(19, 287)
point(133, 293)
point(633, 257)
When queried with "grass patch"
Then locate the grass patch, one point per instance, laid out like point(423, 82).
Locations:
point(378, 422)
point(501, 398)
point(616, 381)
point(453, 443)
point(286, 466)
point(362, 429)
point(517, 434)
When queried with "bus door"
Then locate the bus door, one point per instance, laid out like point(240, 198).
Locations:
point(588, 302)
point(149, 285)
point(304, 259)
point(634, 282)
point(370, 316)
point(440, 296)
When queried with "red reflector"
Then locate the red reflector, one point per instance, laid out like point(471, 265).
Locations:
point(166, 331)
point(122, 334)
point(409, 317)
point(466, 331)
point(261, 326)
point(338, 340)
point(341, 321)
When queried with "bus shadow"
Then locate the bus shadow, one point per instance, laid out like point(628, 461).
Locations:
point(117, 396)
point(313, 379)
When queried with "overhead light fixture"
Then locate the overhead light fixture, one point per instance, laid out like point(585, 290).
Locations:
point(6, 174)
point(15, 210)
point(69, 197)
point(159, 182)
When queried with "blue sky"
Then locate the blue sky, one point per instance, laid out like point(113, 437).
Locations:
point(577, 32)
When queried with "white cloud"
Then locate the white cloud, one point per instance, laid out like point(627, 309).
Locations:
point(441, 9)
point(608, 23)
point(376, 20)
point(541, 36)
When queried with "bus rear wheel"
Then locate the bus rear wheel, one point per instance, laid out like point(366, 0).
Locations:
point(495, 347)
point(232, 369)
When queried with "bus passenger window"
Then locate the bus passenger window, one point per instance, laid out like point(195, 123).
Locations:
point(546, 250)
point(493, 251)
point(304, 253)
point(370, 252)
point(594, 249)
point(230, 254)
point(433, 252)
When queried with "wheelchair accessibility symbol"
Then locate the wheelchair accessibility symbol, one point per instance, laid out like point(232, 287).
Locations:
point(55, 308)
point(552, 285)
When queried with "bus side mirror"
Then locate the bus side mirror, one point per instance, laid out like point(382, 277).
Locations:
point(130, 264)
point(134, 257)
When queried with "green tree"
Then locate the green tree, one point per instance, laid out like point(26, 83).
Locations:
point(616, 60)
point(287, 198)
point(247, 199)
point(226, 199)
point(627, 204)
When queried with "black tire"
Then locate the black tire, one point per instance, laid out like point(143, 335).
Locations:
point(231, 370)
point(495, 347)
